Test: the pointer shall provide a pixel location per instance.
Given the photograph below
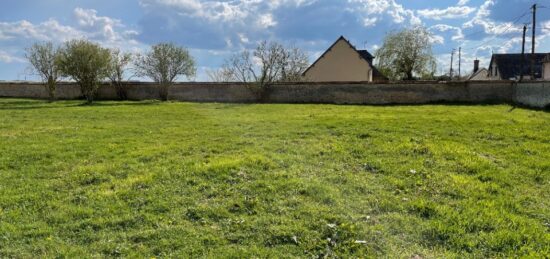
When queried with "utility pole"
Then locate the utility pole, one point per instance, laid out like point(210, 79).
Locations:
point(459, 61)
point(521, 73)
point(451, 71)
point(533, 42)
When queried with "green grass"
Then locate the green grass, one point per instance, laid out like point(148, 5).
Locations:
point(151, 179)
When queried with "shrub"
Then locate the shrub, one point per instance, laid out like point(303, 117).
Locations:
point(42, 58)
point(86, 63)
point(164, 64)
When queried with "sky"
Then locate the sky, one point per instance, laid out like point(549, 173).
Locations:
point(213, 30)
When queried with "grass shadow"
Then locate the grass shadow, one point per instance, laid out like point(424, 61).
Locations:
point(33, 104)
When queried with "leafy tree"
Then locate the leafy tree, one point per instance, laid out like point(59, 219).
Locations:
point(42, 58)
point(86, 63)
point(270, 62)
point(164, 64)
point(407, 53)
point(119, 62)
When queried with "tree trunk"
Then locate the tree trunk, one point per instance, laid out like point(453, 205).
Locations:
point(410, 75)
point(121, 90)
point(88, 92)
point(265, 91)
point(50, 87)
point(163, 91)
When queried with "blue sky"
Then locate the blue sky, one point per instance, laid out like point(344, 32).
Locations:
point(212, 30)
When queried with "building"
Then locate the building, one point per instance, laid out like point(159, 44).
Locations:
point(342, 62)
point(546, 68)
point(509, 66)
point(479, 74)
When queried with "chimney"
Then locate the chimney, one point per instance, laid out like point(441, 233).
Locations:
point(476, 65)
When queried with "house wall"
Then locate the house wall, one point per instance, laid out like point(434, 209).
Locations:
point(546, 71)
point(341, 63)
point(480, 75)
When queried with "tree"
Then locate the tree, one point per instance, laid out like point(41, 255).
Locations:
point(42, 58)
point(118, 64)
point(86, 63)
point(164, 64)
point(407, 53)
point(267, 64)
point(219, 75)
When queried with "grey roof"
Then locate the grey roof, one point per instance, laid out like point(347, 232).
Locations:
point(509, 65)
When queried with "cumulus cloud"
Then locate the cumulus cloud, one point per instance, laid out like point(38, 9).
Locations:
point(88, 25)
point(445, 28)
point(452, 12)
point(371, 10)
point(50, 30)
point(482, 19)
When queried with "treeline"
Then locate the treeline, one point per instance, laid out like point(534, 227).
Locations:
point(404, 55)
point(89, 64)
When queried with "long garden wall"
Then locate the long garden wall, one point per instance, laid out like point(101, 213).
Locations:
point(534, 94)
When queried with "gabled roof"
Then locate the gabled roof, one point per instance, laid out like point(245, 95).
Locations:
point(364, 54)
point(509, 65)
point(479, 71)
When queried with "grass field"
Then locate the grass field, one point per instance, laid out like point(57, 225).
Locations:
point(151, 179)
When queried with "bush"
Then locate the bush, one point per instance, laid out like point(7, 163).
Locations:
point(86, 63)
point(42, 57)
point(164, 64)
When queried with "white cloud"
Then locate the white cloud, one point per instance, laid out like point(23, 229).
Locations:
point(369, 22)
point(8, 58)
point(463, 2)
point(489, 26)
point(452, 12)
point(444, 28)
point(104, 30)
point(372, 9)
point(49, 30)
point(104, 26)
point(232, 12)
point(266, 21)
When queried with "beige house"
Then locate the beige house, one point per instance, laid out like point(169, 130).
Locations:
point(342, 62)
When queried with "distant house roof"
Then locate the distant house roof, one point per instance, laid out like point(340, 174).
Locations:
point(509, 65)
point(479, 72)
point(364, 54)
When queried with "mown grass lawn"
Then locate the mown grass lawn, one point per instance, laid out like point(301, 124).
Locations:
point(151, 179)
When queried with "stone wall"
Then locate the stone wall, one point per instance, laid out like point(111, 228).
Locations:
point(535, 94)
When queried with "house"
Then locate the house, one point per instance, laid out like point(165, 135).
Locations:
point(546, 68)
point(478, 74)
point(508, 66)
point(342, 62)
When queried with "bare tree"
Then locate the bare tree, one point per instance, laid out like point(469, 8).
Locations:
point(406, 53)
point(164, 64)
point(119, 62)
point(220, 75)
point(85, 62)
point(295, 62)
point(270, 62)
point(42, 58)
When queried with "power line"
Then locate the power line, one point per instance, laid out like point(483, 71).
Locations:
point(514, 21)
point(504, 32)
